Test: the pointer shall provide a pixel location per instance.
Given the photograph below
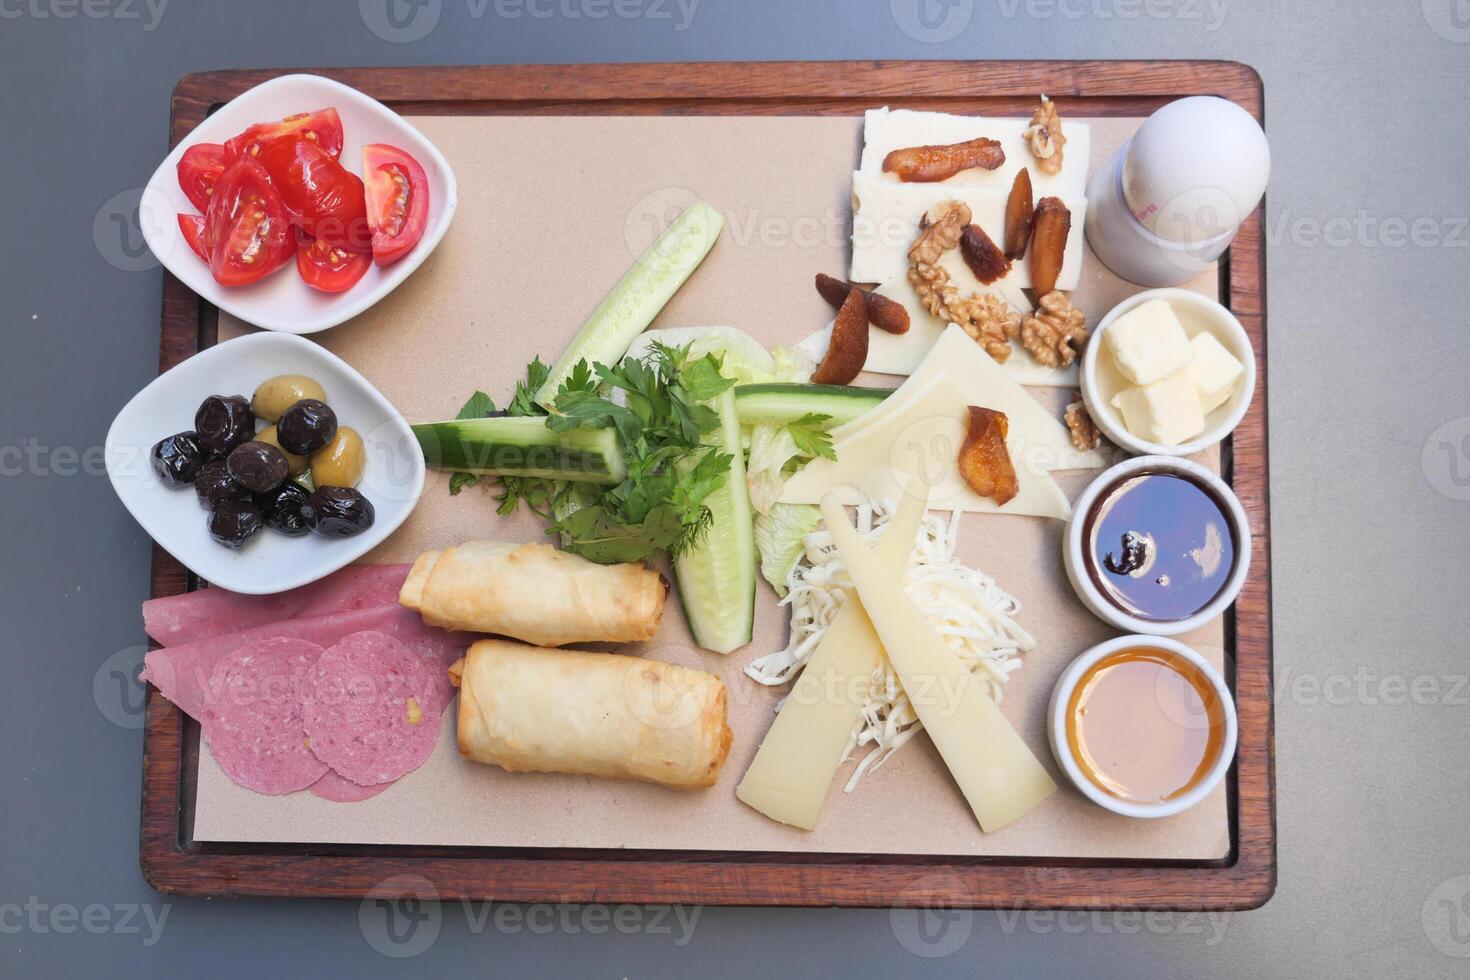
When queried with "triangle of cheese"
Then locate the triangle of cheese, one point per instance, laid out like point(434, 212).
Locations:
point(918, 432)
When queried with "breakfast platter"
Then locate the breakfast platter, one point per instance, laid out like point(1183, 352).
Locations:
point(594, 554)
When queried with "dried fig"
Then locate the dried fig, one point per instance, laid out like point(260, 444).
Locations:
point(1018, 215)
point(1050, 226)
point(984, 461)
point(982, 255)
point(883, 312)
point(848, 349)
point(928, 164)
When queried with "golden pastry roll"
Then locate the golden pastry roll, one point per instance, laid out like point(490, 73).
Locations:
point(535, 593)
point(537, 709)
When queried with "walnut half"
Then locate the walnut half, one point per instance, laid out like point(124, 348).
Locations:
point(1056, 333)
point(986, 318)
point(1080, 426)
point(1045, 138)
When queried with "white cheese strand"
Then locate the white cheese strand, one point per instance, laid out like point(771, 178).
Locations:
point(965, 606)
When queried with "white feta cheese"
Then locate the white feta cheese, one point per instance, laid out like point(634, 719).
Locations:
point(1167, 411)
point(1149, 342)
point(1215, 370)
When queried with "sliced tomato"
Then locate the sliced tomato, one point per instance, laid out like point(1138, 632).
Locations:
point(323, 127)
point(192, 228)
point(199, 170)
point(326, 267)
point(324, 198)
point(397, 200)
point(247, 232)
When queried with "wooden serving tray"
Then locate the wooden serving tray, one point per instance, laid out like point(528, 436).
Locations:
point(174, 862)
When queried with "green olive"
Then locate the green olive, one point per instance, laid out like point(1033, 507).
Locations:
point(339, 463)
point(277, 394)
point(295, 465)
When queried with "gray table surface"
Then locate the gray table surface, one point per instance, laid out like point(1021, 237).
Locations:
point(1370, 457)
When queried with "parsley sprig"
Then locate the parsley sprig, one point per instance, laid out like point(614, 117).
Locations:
point(659, 407)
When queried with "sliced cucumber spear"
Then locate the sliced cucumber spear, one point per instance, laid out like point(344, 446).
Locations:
point(643, 291)
point(717, 578)
point(524, 446)
point(782, 404)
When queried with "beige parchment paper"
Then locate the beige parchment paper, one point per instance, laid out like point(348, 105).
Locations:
point(551, 213)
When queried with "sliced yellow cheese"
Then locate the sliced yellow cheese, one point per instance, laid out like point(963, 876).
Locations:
point(918, 431)
point(792, 771)
point(998, 774)
point(886, 215)
point(885, 130)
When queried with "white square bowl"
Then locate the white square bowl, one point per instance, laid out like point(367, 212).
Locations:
point(270, 562)
point(281, 301)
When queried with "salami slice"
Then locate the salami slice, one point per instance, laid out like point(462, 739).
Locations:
point(182, 672)
point(252, 720)
point(372, 708)
point(338, 790)
point(215, 612)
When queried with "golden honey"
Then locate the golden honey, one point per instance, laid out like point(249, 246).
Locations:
point(1145, 725)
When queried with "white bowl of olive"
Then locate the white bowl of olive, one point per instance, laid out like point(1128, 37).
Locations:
point(264, 463)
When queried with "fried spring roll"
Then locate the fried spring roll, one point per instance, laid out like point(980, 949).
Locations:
point(535, 593)
point(534, 709)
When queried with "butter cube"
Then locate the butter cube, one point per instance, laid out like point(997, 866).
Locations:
point(1215, 370)
point(1167, 411)
point(1149, 342)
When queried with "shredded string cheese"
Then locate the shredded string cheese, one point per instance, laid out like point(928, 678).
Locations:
point(965, 606)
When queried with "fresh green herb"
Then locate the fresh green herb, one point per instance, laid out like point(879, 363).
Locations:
point(656, 405)
point(810, 437)
point(479, 406)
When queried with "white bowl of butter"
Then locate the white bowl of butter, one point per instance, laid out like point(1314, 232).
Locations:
point(1168, 372)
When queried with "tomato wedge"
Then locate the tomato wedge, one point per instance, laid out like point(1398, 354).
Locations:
point(191, 226)
point(323, 127)
point(327, 268)
point(324, 198)
point(397, 200)
point(247, 232)
point(199, 170)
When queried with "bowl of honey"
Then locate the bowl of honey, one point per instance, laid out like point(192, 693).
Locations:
point(1143, 726)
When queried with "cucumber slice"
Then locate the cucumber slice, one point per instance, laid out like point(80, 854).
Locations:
point(523, 446)
point(782, 404)
point(717, 578)
point(639, 296)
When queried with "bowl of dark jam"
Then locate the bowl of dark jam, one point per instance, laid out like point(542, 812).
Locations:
point(1157, 545)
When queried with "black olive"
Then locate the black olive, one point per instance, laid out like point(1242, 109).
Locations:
point(224, 422)
point(337, 512)
point(216, 487)
point(282, 508)
point(177, 459)
point(234, 522)
point(306, 427)
point(258, 466)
